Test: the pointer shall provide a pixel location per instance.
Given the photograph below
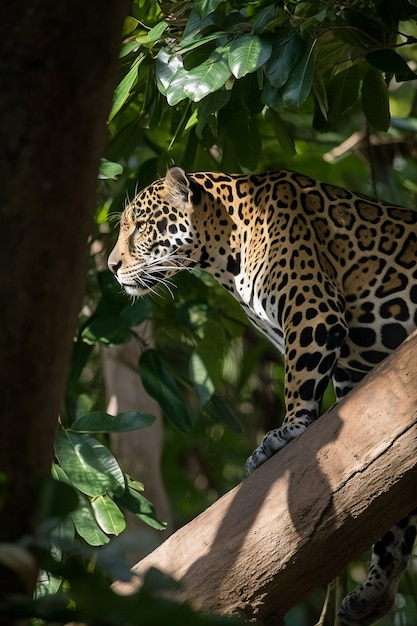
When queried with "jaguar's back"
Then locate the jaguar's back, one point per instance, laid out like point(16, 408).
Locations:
point(328, 275)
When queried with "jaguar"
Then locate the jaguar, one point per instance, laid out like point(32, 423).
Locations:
point(327, 274)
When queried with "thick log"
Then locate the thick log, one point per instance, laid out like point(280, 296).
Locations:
point(301, 517)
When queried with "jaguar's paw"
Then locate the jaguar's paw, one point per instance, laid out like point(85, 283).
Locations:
point(365, 605)
point(273, 441)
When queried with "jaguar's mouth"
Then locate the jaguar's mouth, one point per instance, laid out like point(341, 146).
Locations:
point(145, 283)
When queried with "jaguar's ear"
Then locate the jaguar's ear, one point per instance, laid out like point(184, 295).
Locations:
point(181, 190)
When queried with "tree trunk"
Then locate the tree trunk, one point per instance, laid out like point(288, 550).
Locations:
point(302, 516)
point(58, 64)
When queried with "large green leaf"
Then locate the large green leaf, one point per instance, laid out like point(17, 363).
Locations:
point(141, 507)
point(89, 465)
point(391, 62)
point(281, 132)
point(204, 7)
point(247, 53)
point(242, 133)
point(101, 422)
point(201, 379)
point(375, 100)
point(108, 169)
point(218, 409)
point(56, 497)
point(86, 525)
point(160, 384)
point(201, 80)
point(137, 313)
point(108, 515)
point(298, 86)
point(123, 90)
point(342, 93)
point(106, 328)
point(287, 49)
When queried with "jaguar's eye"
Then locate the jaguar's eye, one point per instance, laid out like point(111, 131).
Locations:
point(140, 226)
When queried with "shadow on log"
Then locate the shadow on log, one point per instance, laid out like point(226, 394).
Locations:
point(302, 516)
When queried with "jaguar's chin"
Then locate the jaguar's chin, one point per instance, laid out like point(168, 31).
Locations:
point(143, 285)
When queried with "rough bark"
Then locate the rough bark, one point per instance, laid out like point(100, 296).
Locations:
point(58, 65)
point(302, 516)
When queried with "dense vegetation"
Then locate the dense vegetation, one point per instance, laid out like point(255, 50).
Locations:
point(325, 88)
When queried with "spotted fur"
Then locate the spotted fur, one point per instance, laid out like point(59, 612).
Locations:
point(328, 275)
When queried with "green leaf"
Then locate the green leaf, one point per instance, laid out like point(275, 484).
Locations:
point(198, 56)
point(100, 422)
point(243, 135)
point(154, 34)
point(204, 7)
point(194, 44)
point(107, 329)
point(342, 93)
point(264, 18)
point(56, 498)
point(81, 352)
point(138, 312)
point(281, 132)
point(167, 65)
point(108, 515)
point(287, 49)
point(89, 465)
point(247, 53)
point(218, 409)
point(391, 62)
point(86, 525)
point(124, 87)
point(141, 507)
point(201, 379)
point(108, 169)
point(206, 78)
point(129, 25)
point(375, 100)
point(159, 383)
point(299, 84)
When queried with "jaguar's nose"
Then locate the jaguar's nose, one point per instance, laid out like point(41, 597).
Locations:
point(114, 266)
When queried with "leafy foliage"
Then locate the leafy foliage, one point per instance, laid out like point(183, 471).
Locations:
point(230, 86)
point(227, 63)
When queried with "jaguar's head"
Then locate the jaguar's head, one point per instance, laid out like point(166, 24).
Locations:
point(156, 233)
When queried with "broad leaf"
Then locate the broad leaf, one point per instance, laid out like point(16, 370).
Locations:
point(160, 384)
point(86, 525)
point(137, 313)
point(391, 62)
point(108, 169)
point(153, 35)
point(201, 379)
point(106, 329)
point(166, 66)
point(342, 93)
point(122, 91)
point(247, 53)
point(287, 50)
point(100, 422)
point(281, 132)
point(204, 7)
point(141, 507)
point(56, 497)
point(375, 100)
point(89, 465)
point(201, 80)
point(298, 86)
point(108, 515)
point(218, 409)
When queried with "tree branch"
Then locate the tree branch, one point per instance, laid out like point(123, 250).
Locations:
point(302, 516)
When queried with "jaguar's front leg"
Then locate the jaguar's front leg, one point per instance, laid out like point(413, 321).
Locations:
point(311, 355)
